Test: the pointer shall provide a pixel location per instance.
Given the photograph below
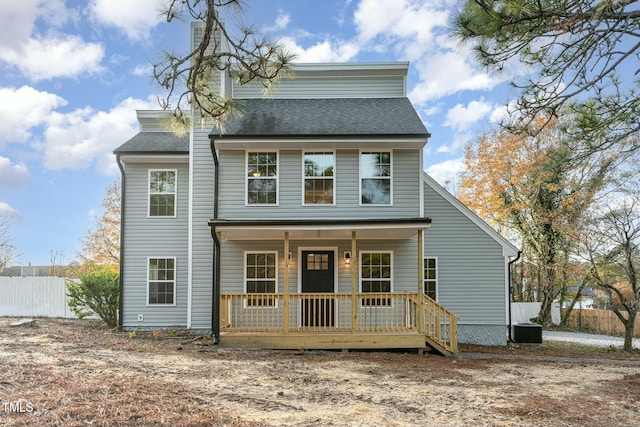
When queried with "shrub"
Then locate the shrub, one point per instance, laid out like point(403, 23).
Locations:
point(97, 291)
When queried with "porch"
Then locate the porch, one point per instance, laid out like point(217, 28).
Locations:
point(337, 321)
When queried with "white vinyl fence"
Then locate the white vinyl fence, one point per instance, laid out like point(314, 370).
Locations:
point(34, 297)
point(521, 312)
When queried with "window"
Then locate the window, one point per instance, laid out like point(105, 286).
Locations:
point(261, 277)
point(318, 178)
point(162, 192)
point(375, 178)
point(162, 281)
point(430, 277)
point(375, 276)
point(262, 178)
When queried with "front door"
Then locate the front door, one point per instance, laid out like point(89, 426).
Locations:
point(318, 277)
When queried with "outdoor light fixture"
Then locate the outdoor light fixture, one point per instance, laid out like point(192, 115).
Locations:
point(289, 257)
point(347, 257)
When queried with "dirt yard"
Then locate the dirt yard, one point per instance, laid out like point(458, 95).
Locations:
point(77, 373)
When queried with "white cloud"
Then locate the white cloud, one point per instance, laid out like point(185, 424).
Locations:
point(412, 25)
point(446, 173)
point(446, 73)
point(43, 57)
point(7, 211)
point(143, 70)
point(12, 175)
point(85, 138)
point(281, 23)
point(23, 109)
point(325, 51)
point(47, 58)
point(134, 18)
point(463, 118)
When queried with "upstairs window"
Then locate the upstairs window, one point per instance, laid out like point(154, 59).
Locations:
point(430, 277)
point(375, 178)
point(319, 188)
point(262, 178)
point(162, 193)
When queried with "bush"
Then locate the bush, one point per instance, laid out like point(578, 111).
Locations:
point(98, 291)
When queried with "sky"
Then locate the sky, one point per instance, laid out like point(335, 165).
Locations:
point(73, 73)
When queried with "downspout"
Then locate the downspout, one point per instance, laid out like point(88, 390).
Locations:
point(215, 308)
point(511, 291)
point(122, 198)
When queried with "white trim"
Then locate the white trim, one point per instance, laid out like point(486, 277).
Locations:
point(245, 278)
point(175, 193)
point(361, 177)
point(420, 172)
point(508, 249)
point(333, 177)
point(507, 308)
point(154, 158)
point(391, 285)
point(175, 281)
point(319, 248)
point(190, 232)
point(294, 143)
point(246, 178)
point(437, 279)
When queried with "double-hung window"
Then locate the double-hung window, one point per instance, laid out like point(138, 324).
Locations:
point(162, 193)
point(319, 188)
point(431, 277)
point(376, 277)
point(375, 178)
point(262, 178)
point(261, 277)
point(161, 285)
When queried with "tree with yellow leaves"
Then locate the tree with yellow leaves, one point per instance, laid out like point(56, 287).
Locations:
point(537, 188)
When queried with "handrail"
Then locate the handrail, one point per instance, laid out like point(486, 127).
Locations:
point(440, 325)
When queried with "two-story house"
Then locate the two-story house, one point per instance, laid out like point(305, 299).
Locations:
point(307, 222)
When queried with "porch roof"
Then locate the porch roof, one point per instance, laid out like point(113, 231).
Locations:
point(314, 229)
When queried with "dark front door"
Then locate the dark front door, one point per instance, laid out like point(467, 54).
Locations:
point(318, 277)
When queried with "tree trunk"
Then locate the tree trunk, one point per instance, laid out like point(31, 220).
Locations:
point(628, 331)
point(565, 316)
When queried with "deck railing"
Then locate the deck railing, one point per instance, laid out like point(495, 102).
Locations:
point(385, 312)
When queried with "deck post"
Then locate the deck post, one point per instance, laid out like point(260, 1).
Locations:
point(354, 283)
point(420, 280)
point(285, 297)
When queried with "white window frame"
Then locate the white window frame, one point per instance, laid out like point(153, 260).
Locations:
point(361, 279)
point(174, 281)
point(247, 178)
point(305, 177)
point(244, 283)
point(424, 264)
point(362, 177)
point(174, 193)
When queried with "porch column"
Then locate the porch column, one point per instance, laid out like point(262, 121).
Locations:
point(285, 297)
point(420, 280)
point(354, 283)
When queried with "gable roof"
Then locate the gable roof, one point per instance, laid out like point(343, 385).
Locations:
point(508, 249)
point(154, 143)
point(324, 117)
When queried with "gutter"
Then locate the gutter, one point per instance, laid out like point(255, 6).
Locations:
point(215, 307)
point(122, 198)
point(511, 292)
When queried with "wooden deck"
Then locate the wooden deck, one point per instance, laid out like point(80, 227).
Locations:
point(337, 321)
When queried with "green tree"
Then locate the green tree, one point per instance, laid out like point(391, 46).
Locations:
point(189, 78)
point(97, 291)
point(580, 55)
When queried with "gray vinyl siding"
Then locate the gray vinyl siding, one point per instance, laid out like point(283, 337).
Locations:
point(471, 265)
point(202, 256)
point(406, 190)
point(327, 87)
point(153, 237)
point(405, 262)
